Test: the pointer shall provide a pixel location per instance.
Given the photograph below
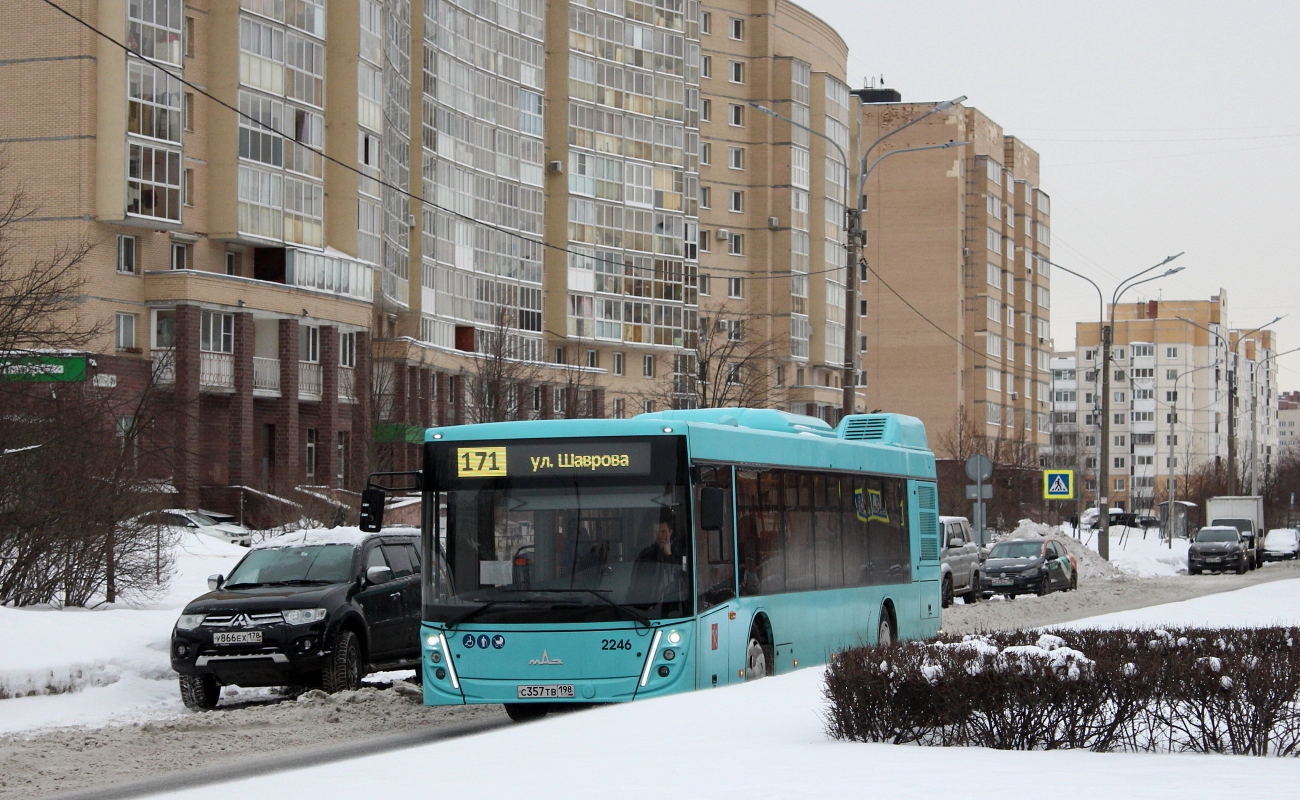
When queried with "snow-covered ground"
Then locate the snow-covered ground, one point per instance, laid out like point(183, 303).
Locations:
point(79, 666)
point(1133, 551)
point(766, 739)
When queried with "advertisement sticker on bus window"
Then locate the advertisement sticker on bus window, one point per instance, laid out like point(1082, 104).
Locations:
point(871, 507)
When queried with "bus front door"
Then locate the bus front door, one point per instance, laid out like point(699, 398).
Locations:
point(715, 564)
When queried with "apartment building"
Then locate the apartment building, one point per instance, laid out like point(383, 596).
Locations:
point(1288, 414)
point(380, 197)
point(1175, 365)
point(957, 274)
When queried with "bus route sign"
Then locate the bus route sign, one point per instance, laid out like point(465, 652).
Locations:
point(1058, 484)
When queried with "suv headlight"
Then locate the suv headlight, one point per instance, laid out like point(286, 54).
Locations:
point(302, 616)
point(189, 622)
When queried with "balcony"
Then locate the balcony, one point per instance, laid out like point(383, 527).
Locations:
point(217, 370)
point(164, 365)
point(309, 381)
point(266, 377)
point(336, 301)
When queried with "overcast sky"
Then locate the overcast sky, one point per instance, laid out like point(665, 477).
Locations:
point(1163, 127)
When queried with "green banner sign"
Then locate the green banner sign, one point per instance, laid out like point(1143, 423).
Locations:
point(43, 369)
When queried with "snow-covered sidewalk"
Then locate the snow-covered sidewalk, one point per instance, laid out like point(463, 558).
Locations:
point(766, 739)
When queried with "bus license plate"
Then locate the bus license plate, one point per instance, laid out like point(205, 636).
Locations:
point(559, 690)
point(243, 637)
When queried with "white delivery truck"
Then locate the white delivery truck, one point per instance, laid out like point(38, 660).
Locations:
point(1246, 514)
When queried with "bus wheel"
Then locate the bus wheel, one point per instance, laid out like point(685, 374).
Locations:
point(526, 712)
point(885, 633)
point(759, 662)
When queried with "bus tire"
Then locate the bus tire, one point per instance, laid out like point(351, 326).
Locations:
point(885, 631)
point(759, 658)
point(527, 712)
point(945, 594)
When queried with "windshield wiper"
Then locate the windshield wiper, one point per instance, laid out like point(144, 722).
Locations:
point(632, 613)
point(473, 612)
point(250, 585)
point(304, 582)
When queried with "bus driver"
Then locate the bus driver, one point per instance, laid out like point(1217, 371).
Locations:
point(658, 576)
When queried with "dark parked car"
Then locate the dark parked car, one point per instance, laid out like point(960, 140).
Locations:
point(315, 608)
point(1024, 566)
point(1218, 547)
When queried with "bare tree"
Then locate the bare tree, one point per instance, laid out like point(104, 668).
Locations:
point(500, 372)
point(730, 363)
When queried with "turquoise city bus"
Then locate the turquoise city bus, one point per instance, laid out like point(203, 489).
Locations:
point(597, 560)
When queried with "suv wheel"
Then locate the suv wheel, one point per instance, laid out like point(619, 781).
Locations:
point(343, 670)
point(976, 592)
point(945, 596)
point(200, 692)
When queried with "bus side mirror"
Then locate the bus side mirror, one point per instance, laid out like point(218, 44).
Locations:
point(372, 510)
point(712, 508)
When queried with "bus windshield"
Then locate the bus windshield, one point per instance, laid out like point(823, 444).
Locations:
point(540, 547)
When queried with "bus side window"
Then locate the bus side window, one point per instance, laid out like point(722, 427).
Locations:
point(715, 557)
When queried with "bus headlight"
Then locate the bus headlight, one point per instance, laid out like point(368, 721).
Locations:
point(435, 656)
point(669, 654)
point(674, 637)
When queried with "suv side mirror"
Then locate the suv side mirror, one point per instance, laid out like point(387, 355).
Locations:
point(215, 582)
point(1051, 556)
point(956, 541)
point(376, 575)
point(712, 508)
point(372, 510)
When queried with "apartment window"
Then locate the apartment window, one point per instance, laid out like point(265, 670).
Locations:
point(1117, 419)
point(1119, 376)
point(993, 380)
point(736, 71)
point(189, 111)
point(125, 326)
point(188, 187)
point(1120, 441)
point(309, 344)
point(126, 253)
point(1119, 397)
point(647, 406)
point(736, 157)
point(537, 398)
point(704, 284)
point(1171, 441)
point(618, 364)
point(341, 460)
point(559, 355)
point(1143, 394)
point(736, 115)
point(1120, 462)
point(232, 260)
point(1171, 352)
point(994, 310)
point(153, 182)
point(733, 373)
point(180, 255)
point(736, 244)
point(1144, 416)
point(735, 288)
point(647, 366)
point(1144, 461)
point(706, 115)
point(155, 102)
point(706, 66)
point(617, 408)
point(734, 328)
point(1171, 374)
point(735, 201)
point(1118, 354)
point(216, 332)
point(347, 349)
point(862, 308)
point(706, 197)
point(311, 453)
point(737, 29)
point(994, 241)
point(1171, 462)
point(1171, 397)
point(1143, 350)
point(995, 276)
point(706, 22)
point(189, 36)
point(993, 345)
point(706, 149)
point(593, 359)
point(1089, 355)
point(1119, 484)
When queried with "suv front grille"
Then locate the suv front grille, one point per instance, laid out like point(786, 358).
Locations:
point(258, 619)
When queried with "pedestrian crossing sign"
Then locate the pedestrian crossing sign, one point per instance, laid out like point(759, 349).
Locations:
point(1058, 484)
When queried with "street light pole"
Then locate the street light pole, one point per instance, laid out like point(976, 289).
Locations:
point(1107, 325)
point(854, 232)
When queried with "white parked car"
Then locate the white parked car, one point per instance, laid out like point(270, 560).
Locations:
point(1281, 543)
point(198, 522)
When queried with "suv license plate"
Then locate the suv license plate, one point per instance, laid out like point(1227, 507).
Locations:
point(1003, 581)
point(564, 690)
point(243, 637)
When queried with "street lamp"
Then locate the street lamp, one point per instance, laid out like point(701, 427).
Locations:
point(1107, 323)
point(853, 228)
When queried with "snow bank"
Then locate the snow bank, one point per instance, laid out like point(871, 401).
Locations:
point(1092, 566)
point(1264, 604)
point(55, 651)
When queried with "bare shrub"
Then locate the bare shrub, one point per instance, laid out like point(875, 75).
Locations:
point(1179, 690)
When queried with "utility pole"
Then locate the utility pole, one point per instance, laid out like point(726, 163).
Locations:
point(1232, 422)
point(1103, 471)
point(852, 356)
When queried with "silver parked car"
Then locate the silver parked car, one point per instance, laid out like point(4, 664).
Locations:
point(959, 562)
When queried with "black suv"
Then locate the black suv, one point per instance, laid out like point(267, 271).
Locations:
point(318, 608)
